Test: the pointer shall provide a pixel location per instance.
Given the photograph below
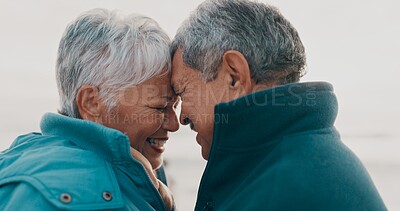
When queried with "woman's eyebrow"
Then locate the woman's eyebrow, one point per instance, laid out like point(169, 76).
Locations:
point(168, 97)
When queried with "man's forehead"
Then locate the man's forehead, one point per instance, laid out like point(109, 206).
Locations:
point(181, 73)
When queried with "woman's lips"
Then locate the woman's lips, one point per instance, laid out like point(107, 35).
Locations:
point(157, 144)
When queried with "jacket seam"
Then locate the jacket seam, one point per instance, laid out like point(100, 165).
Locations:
point(47, 193)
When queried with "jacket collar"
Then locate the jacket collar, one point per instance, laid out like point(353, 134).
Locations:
point(264, 116)
point(108, 143)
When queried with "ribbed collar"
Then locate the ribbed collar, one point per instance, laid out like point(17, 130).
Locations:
point(110, 144)
point(264, 116)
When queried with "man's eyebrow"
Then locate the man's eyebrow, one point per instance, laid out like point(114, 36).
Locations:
point(173, 86)
point(179, 84)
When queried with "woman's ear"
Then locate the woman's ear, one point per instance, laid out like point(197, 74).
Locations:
point(237, 67)
point(89, 103)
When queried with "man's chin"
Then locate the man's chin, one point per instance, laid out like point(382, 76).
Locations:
point(205, 153)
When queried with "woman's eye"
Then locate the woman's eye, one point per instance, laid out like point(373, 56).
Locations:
point(162, 109)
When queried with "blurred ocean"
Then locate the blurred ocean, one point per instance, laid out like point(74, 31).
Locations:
point(354, 45)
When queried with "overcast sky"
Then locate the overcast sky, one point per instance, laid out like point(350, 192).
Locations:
point(352, 44)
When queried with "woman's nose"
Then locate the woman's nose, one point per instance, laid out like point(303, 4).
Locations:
point(171, 122)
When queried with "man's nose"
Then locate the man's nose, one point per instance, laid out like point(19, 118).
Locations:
point(184, 119)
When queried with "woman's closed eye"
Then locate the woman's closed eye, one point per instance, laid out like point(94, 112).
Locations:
point(161, 109)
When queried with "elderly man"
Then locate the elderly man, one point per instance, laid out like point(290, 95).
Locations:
point(270, 141)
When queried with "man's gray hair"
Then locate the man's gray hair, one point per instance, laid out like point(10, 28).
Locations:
point(270, 44)
point(103, 49)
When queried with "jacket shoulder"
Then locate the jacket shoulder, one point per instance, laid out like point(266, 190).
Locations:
point(14, 196)
point(320, 172)
point(68, 177)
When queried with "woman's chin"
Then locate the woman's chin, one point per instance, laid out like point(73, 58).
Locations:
point(156, 162)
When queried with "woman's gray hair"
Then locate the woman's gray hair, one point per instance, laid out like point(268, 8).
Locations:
point(103, 49)
point(270, 44)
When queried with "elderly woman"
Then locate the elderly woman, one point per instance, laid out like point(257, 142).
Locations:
point(117, 108)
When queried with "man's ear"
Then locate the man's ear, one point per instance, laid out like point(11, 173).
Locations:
point(89, 103)
point(237, 67)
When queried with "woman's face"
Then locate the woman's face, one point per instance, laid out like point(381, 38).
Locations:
point(146, 113)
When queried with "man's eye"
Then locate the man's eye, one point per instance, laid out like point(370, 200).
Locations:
point(180, 93)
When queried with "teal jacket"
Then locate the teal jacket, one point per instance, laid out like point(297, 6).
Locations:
point(74, 165)
point(278, 149)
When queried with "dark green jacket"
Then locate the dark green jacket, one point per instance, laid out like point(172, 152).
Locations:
point(278, 150)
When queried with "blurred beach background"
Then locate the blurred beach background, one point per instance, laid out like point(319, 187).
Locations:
point(353, 44)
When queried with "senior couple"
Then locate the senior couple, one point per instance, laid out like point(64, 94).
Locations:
point(235, 66)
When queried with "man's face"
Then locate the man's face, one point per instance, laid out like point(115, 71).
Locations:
point(198, 100)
